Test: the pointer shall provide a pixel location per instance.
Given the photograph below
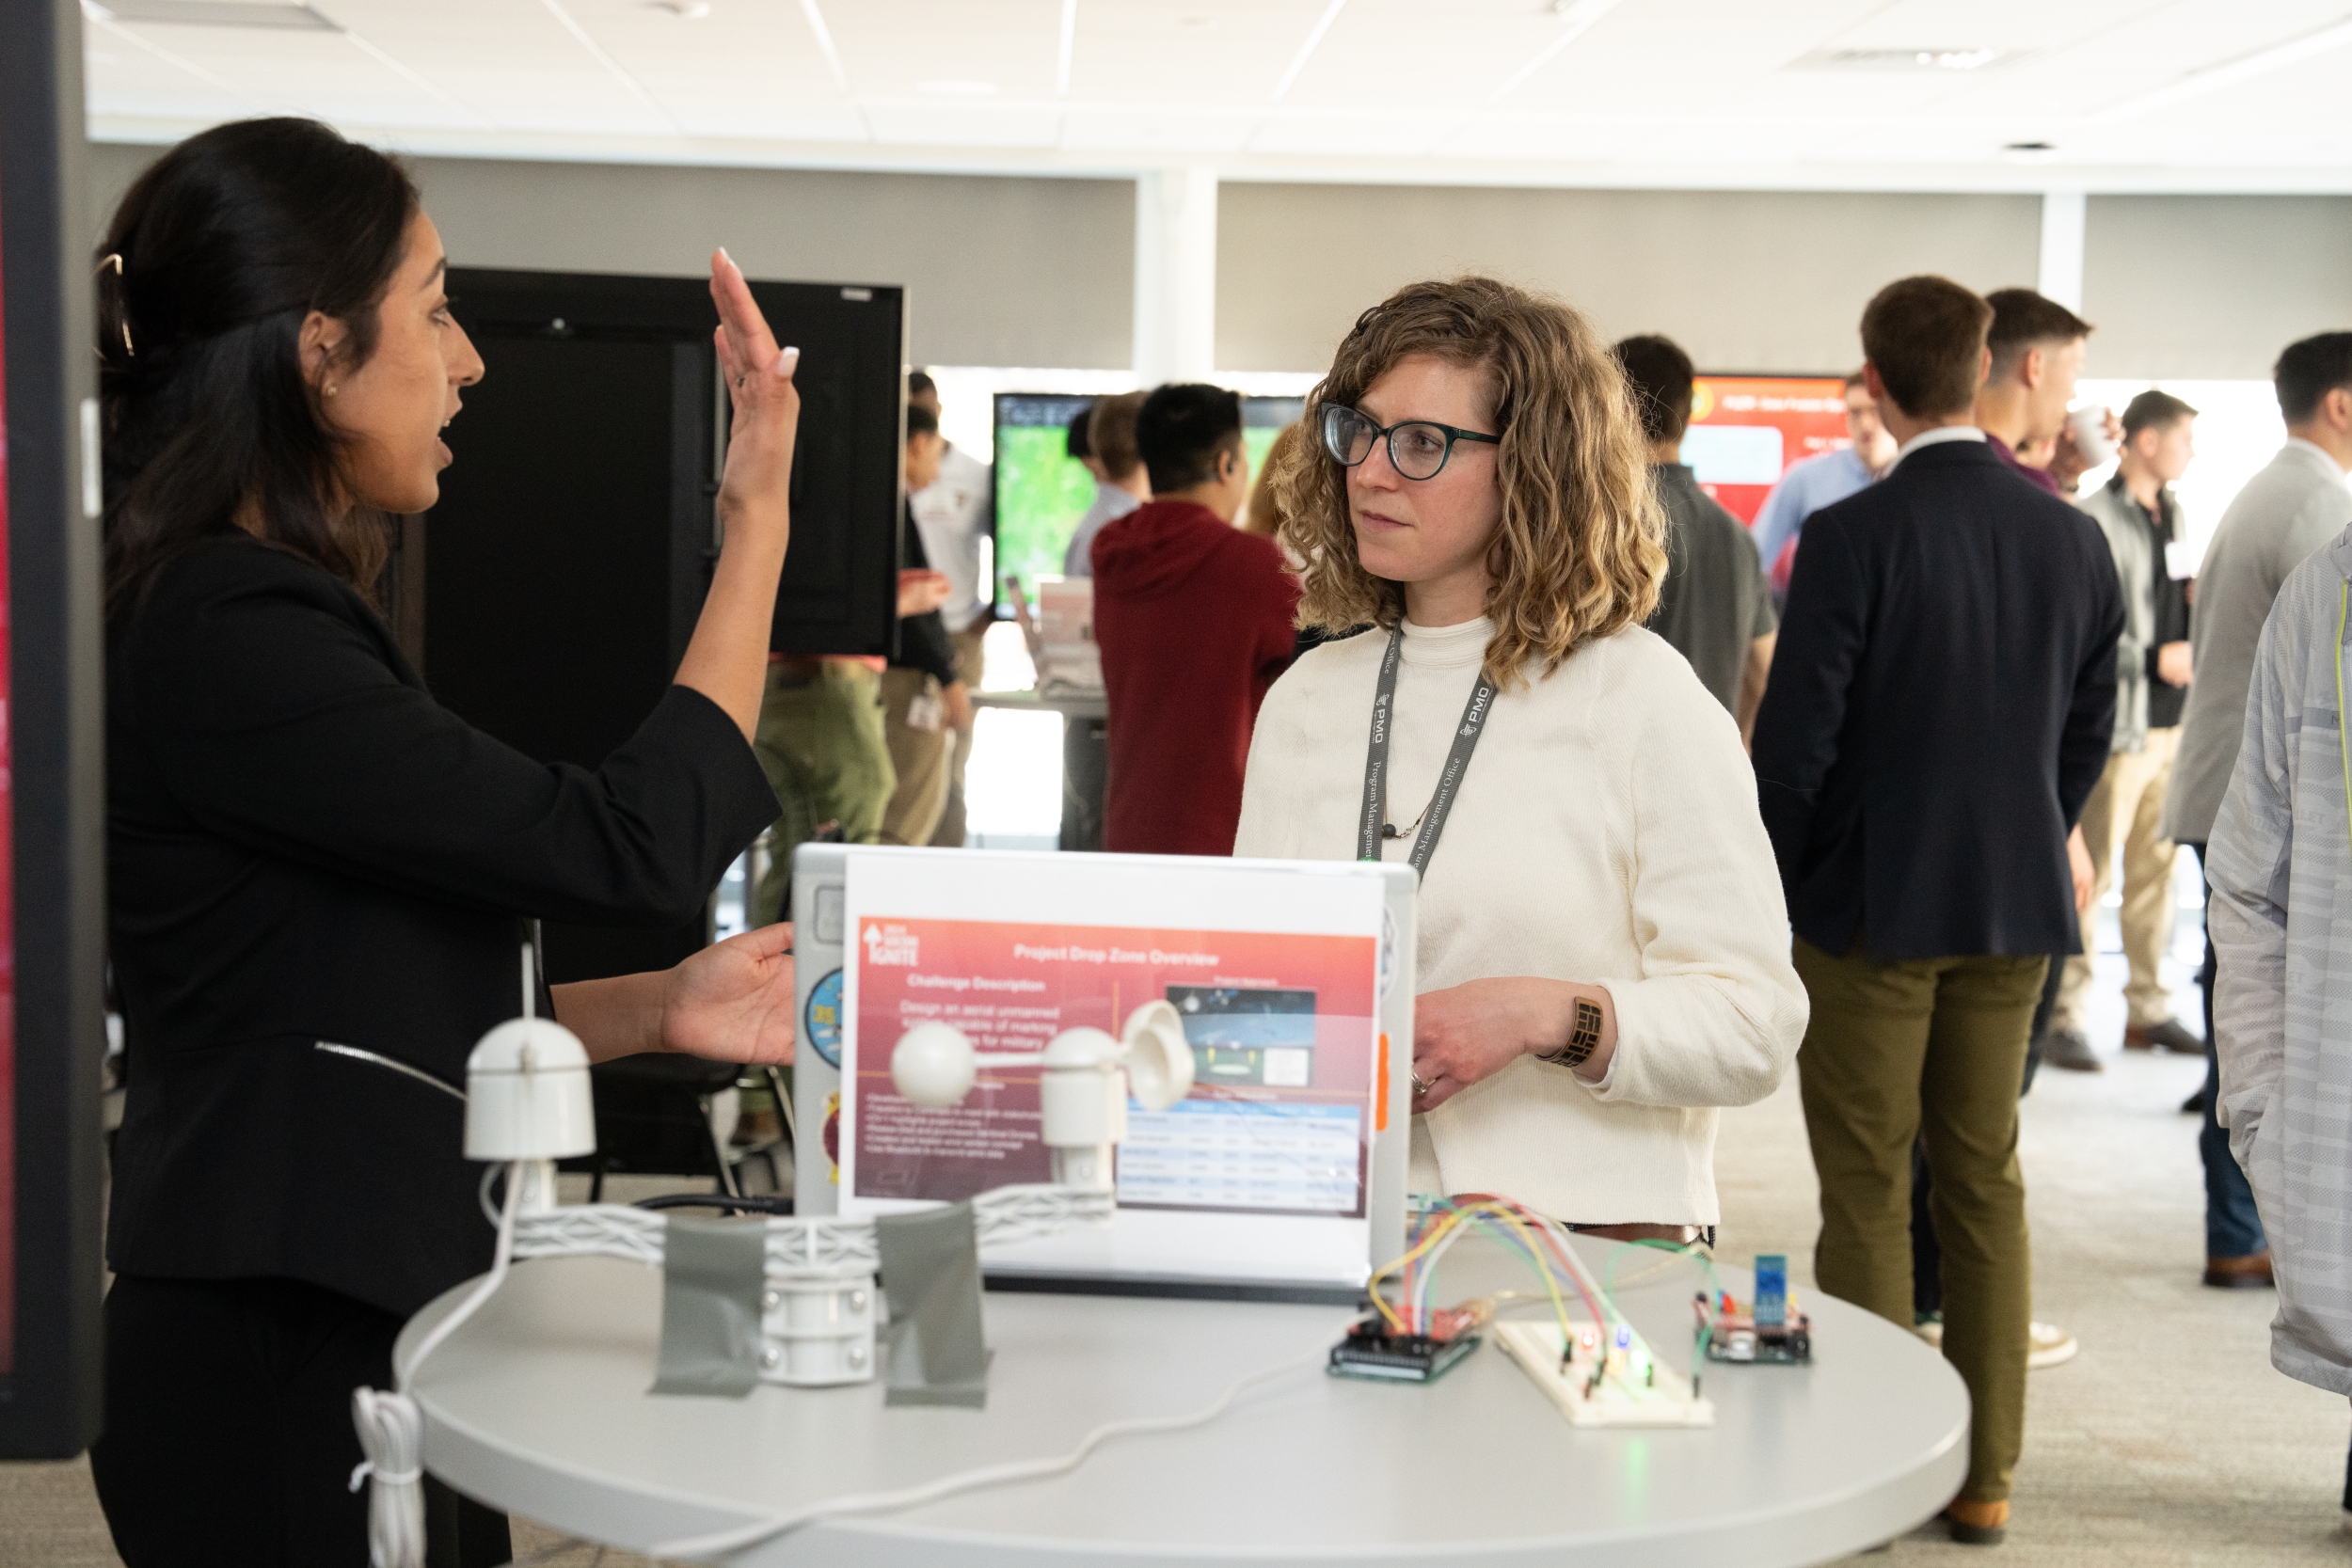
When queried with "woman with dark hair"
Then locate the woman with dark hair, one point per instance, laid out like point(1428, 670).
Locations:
point(320, 879)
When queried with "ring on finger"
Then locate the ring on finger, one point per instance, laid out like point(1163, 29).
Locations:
point(1420, 1085)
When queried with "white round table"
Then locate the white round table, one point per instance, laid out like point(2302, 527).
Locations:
point(539, 1406)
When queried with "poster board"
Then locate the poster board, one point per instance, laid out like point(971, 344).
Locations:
point(1281, 1173)
point(1746, 431)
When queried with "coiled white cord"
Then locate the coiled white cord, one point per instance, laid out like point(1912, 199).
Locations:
point(702, 1547)
point(391, 1428)
point(391, 1435)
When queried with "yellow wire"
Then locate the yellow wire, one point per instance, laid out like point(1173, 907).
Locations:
point(1453, 1220)
point(1543, 1266)
point(1435, 1233)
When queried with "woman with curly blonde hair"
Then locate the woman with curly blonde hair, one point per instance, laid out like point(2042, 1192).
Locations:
point(1603, 951)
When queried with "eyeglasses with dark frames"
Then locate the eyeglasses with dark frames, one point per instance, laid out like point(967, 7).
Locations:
point(1417, 448)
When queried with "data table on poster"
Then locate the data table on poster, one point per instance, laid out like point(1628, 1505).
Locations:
point(1212, 1154)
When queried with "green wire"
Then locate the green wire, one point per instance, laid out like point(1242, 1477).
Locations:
point(1707, 1264)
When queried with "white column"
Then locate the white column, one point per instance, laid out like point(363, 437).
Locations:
point(1175, 276)
point(2062, 223)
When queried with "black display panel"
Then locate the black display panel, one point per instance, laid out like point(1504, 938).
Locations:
point(52, 744)
point(549, 595)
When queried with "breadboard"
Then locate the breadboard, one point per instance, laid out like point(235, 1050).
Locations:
point(1635, 1388)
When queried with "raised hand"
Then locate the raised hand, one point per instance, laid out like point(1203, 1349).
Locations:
point(726, 658)
point(754, 489)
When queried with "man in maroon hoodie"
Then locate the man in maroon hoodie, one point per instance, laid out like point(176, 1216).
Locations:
point(1193, 619)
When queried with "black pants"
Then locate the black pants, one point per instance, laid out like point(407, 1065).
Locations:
point(228, 1437)
point(1927, 1258)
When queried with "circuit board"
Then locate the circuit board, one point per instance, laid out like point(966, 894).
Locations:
point(1736, 1337)
point(1605, 1378)
point(1369, 1352)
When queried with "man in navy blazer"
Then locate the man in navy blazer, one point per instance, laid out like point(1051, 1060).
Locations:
point(1940, 706)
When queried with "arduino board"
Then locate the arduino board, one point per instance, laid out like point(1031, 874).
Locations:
point(1370, 1350)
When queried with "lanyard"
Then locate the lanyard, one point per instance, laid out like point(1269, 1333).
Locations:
point(1373, 828)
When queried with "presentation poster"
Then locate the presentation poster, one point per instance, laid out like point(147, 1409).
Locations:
point(1275, 1167)
point(1282, 1038)
point(1746, 431)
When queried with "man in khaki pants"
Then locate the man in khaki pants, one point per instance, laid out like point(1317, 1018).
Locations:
point(1941, 702)
point(2136, 513)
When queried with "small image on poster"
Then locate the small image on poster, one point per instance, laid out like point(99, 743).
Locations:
point(1249, 1036)
point(1283, 1034)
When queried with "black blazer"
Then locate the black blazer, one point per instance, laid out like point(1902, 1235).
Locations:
point(1940, 706)
point(302, 846)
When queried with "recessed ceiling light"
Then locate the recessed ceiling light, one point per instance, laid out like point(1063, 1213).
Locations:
point(2030, 153)
point(1899, 59)
point(955, 89)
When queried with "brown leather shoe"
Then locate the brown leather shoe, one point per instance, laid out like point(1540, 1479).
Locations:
point(1978, 1524)
point(2071, 1050)
point(2251, 1273)
point(2171, 1035)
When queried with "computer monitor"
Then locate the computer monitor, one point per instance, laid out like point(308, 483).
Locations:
point(1746, 431)
point(52, 745)
point(1280, 1176)
point(1041, 491)
point(1262, 420)
point(549, 595)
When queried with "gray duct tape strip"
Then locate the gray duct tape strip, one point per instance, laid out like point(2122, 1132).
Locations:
point(930, 1269)
point(712, 1272)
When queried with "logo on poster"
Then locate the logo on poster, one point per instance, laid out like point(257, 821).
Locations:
point(889, 942)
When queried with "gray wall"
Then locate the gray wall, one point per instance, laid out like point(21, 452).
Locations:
point(998, 271)
point(1745, 282)
point(2212, 285)
point(1041, 272)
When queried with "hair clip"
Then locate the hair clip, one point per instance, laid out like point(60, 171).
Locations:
point(114, 258)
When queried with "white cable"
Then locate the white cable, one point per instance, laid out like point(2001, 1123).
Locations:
point(705, 1546)
point(391, 1428)
point(402, 1377)
point(391, 1435)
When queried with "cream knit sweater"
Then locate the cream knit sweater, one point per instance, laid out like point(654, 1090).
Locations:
point(1606, 833)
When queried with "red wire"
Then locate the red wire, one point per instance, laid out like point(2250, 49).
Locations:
point(1542, 1228)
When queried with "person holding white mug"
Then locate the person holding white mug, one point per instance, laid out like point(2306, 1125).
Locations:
point(2089, 439)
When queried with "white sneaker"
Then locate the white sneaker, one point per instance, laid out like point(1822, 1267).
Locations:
point(2050, 1345)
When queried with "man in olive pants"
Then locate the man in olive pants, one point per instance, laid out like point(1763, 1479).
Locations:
point(1932, 1049)
point(1940, 706)
point(821, 743)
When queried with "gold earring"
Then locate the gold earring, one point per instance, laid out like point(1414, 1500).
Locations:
point(330, 389)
